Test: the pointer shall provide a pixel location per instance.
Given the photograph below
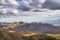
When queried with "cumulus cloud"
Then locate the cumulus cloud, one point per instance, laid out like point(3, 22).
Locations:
point(13, 2)
point(52, 16)
point(49, 4)
point(30, 4)
point(8, 2)
point(49, 17)
point(27, 5)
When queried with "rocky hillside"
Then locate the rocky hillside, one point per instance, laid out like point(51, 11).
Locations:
point(32, 27)
point(5, 35)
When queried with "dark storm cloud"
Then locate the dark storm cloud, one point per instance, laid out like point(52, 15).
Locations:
point(52, 4)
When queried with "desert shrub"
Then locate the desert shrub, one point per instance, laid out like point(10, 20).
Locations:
point(49, 38)
point(5, 35)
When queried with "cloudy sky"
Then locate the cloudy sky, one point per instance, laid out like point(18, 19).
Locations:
point(52, 15)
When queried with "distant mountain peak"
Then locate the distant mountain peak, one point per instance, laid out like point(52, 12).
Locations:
point(32, 27)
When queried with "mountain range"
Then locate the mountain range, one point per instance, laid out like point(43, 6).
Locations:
point(31, 27)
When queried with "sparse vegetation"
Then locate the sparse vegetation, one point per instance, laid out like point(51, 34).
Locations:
point(29, 31)
point(5, 35)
